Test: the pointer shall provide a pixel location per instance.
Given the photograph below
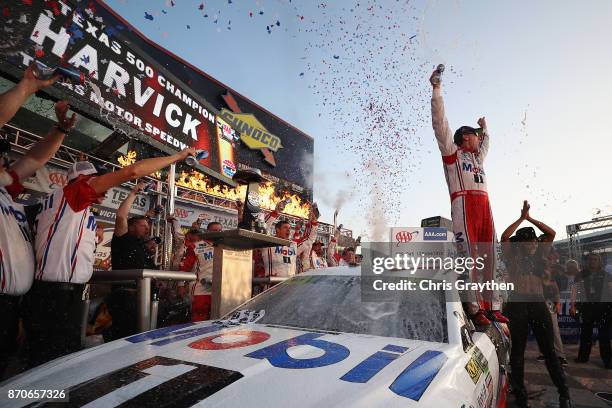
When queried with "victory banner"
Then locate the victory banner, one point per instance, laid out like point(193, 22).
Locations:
point(119, 84)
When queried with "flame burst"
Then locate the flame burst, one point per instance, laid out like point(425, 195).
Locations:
point(130, 158)
point(127, 159)
point(268, 197)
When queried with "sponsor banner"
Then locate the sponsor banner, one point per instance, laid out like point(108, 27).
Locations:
point(187, 214)
point(419, 241)
point(120, 83)
point(435, 234)
point(252, 132)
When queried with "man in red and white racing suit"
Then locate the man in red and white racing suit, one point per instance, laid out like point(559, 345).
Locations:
point(463, 155)
point(282, 260)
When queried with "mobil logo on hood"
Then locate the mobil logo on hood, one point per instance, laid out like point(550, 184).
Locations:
point(435, 234)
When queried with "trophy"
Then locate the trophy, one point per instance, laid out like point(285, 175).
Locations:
point(251, 210)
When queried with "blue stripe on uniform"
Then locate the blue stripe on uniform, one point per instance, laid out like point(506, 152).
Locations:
point(42, 268)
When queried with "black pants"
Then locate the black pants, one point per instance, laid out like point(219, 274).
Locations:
point(600, 315)
point(121, 303)
point(534, 314)
point(9, 328)
point(52, 317)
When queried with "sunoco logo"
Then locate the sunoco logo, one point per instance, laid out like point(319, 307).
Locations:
point(252, 132)
point(435, 234)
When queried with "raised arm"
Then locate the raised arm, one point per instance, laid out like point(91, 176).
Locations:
point(14, 98)
point(44, 149)
point(139, 169)
point(331, 248)
point(304, 244)
point(505, 237)
point(121, 222)
point(484, 138)
point(442, 130)
point(549, 233)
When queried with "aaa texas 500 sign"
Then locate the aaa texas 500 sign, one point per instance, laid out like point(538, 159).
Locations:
point(124, 84)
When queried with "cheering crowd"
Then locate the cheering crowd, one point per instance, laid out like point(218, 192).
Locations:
point(47, 261)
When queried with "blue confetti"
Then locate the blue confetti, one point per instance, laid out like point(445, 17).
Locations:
point(148, 16)
point(336, 57)
point(188, 27)
point(278, 23)
point(261, 13)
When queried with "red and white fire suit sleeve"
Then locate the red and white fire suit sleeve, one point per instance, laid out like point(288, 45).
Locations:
point(443, 132)
point(332, 259)
point(304, 244)
point(178, 245)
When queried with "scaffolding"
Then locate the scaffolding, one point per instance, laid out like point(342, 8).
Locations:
point(573, 233)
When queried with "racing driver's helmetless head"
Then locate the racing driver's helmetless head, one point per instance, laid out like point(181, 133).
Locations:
point(283, 229)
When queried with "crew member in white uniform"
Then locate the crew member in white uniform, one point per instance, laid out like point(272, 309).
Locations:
point(64, 244)
point(317, 259)
point(16, 252)
point(281, 260)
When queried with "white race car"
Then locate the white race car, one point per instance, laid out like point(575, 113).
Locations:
point(309, 341)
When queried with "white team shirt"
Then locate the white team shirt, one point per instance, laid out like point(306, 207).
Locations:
point(463, 170)
point(205, 253)
point(282, 260)
point(66, 235)
point(317, 262)
point(16, 252)
point(200, 261)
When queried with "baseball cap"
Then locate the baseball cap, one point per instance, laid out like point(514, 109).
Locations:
point(84, 168)
point(526, 234)
point(465, 130)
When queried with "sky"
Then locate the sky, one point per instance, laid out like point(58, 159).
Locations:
point(353, 74)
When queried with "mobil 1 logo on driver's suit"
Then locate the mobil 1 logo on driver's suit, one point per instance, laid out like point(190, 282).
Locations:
point(435, 234)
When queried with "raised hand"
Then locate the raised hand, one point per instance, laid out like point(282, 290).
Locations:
point(525, 210)
point(482, 122)
point(33, 83)
point(61, 112)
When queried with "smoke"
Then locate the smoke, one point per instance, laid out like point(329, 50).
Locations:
point(334, 190)
point(377, 220)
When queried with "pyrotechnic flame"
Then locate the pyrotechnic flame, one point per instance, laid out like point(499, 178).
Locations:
point(130, 158)
point(268, 197)
point(127, 159)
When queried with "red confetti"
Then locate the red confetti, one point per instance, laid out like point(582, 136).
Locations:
point(40, 53)
point(5, 12)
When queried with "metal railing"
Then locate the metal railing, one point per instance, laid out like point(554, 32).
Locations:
point(146, 309)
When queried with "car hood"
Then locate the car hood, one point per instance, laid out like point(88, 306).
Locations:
point(261, 365)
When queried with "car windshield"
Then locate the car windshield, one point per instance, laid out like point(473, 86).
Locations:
point(333, 303)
